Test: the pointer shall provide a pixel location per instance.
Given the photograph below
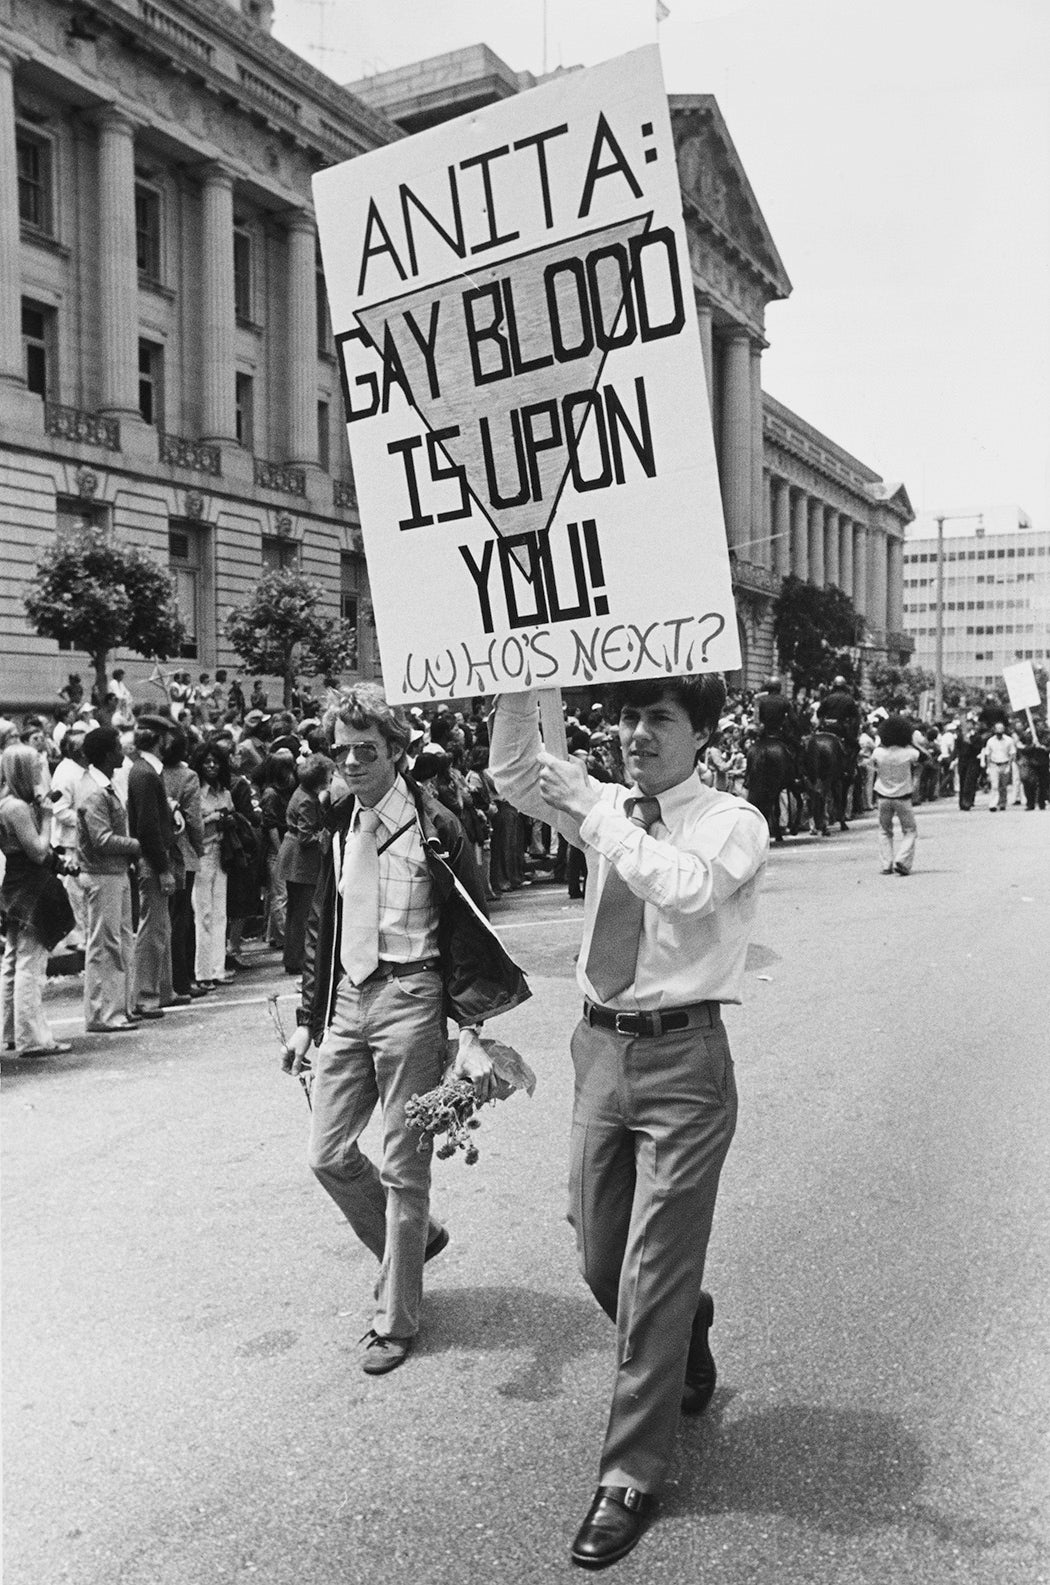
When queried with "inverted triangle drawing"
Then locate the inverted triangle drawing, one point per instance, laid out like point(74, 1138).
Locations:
point(488, 357)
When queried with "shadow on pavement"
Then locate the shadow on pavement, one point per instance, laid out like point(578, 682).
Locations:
point(553, 1330)
point(846, 1471)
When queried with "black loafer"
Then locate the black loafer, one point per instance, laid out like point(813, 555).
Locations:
point(614, 1523)
point(700, 1373)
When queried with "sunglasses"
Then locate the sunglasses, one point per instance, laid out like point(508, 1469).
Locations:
point(363, 753)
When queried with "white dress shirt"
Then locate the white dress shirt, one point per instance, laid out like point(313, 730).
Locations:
point(697, 869)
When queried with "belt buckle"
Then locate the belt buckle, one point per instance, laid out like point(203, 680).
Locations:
point(620, 1030)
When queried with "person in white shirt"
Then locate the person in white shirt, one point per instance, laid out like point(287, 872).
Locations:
point(672, 890)
point(998, 757)
point(894, 760)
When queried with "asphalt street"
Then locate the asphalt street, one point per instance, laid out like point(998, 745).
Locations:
point(182, 1404)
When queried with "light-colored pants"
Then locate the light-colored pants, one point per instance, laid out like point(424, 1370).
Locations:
point(152, 944)
point(652, 1123)
point(901, 807)
point(386, 1043)
point(22, 977)
point(109, 955)
point(998, 785)
point(209, 907)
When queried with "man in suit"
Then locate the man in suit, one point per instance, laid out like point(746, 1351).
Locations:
point(673, 871)
point(151, 824)
point(105, 851)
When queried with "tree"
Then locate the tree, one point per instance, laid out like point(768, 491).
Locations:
point(814, 630)
point(901, 687)
point(283, 632)
point(97, 594)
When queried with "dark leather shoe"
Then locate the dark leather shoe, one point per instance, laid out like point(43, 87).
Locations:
point(700, 1373)
point(436, 1245)
point(614, 1523)
point(149, 1012)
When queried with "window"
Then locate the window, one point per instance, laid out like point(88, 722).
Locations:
point(151, 382)
point(351, 582)
point(148, 232)
point(35, 197)
point(324, 327)
point(38, 345)
point(186, 561)
point(323, 432)
point(245, 417)
point(279, 554)
point(242, 275)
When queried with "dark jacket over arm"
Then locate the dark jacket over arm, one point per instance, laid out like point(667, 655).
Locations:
point(149, 816)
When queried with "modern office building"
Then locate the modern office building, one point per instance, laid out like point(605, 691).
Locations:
point(996, 595)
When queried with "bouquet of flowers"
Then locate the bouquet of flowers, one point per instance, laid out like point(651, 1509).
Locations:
point(451, 1108)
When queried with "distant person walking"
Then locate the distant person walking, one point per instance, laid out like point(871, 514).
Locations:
point(998, 757)
point(894, 759)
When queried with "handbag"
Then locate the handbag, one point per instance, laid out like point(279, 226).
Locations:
point(238, 846)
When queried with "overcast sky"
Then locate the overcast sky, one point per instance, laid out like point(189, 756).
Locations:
point(900, 153)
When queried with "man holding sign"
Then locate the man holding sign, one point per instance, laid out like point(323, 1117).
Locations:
point(673, 872)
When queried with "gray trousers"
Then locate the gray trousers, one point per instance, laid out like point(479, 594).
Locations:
point(652, 1123)
point(386, 1043)
point(152, 944)
point(109, 953)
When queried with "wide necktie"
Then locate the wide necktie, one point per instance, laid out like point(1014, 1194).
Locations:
point(615, 938)
point(359, 942)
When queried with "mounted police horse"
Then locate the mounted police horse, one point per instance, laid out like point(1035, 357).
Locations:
point(771, 775)
point(826, 770)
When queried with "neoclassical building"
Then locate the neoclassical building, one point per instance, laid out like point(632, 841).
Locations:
point(794, 501)
point(166, 367)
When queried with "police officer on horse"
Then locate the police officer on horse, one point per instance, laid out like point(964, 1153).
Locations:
point(839, 712)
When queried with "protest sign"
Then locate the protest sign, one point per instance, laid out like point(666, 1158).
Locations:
point(512, 304)
point(1021, 686)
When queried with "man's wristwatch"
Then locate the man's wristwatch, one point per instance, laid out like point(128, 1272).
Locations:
point(303, 1017)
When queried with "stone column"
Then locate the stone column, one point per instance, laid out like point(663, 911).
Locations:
point(118, 273)
point(302, 340)
point(816, 543)
point(758, 551)
point(800, 534)
point(846, 555)
point(860, 568)
point(11, 365)
point(894, 584)
point(781, 526)
point(218, 323)
point(703, 315)
point(736, 443)
point(831, 547)
point(877, 591)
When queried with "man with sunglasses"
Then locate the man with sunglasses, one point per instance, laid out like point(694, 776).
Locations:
point(397, 938)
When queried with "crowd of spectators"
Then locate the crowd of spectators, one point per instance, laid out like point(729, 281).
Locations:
point(216, 804)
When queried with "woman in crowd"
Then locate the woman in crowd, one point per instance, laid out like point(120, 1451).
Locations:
point(34, 919)
point(212, 764)
point(301, 849)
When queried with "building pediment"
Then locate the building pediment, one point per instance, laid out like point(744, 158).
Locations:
point(716, 193)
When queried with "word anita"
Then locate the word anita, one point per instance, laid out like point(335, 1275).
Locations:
point(563, 658)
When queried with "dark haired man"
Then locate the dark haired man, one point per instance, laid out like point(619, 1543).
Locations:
point(673, 871)
point(151, 824)
point(105, 850)
point(391, 947)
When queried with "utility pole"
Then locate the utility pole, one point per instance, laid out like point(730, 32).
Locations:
point(938, 663)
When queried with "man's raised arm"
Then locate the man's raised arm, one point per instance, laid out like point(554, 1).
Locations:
point(515, 765)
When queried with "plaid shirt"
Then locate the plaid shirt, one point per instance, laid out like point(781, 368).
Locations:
point(408, 914)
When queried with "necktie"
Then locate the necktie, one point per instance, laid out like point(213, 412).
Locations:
point(359, 942)
point(613, 954)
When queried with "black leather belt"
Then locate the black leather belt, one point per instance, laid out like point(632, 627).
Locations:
point(395, 971)
point(699, 1015)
